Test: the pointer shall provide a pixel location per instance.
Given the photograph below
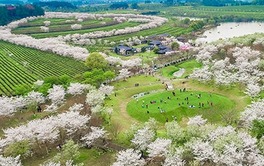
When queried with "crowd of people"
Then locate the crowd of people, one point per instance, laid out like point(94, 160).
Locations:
point(177, 98)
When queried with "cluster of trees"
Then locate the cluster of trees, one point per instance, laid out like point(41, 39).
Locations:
point(48, 44)
point(55, 5)
point(258, 2)
point(99, 70)
point(199, 143)
point(148, 22)
point(196, 25)
point(226, 2)
point(213, 2)
point(217, 2)
point(235, 65)
point(119, 5)
point(40, 135)
point(10, 13)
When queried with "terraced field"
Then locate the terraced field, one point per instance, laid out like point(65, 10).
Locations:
point(166, 28)
point(242, 12)
point(61, 27)
point(21, 65)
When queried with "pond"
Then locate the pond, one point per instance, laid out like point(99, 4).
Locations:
point(230, 30)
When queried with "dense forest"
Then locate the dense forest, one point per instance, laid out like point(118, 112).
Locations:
point(56, 4)
point(10, 13)
point(213, 2)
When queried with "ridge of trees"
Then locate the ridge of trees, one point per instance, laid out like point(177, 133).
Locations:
point(10, 13)
point(56, 4)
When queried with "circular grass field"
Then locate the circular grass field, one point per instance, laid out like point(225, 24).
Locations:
point(168, 105)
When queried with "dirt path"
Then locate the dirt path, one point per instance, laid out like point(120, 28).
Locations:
point(123, 111)
point(121, 118)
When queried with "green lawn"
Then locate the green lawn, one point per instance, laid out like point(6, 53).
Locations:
point(210, 106)
point(188, 66)
point(58, 26)
point(124, 91)
point(82, 31)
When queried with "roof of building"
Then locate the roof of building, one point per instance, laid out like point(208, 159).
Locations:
point(164, 51)
point(124, 48)
point(162, 47)
point(180, 38)
point(155, 42)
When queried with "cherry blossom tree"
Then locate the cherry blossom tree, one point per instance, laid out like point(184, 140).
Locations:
point(10, 105)
point(56, 94)
point(202, 151)
point(92, 136)
point(44, 29)
point(159, 147)
point(123, 74)
point(35, 97)
point(77, 88)
point(241, 66)
point(197, 120)
point(51, 108)
point(220, 132)
point(47, 23)
point(46, 129)
point(174, 160)
point(253, 112)
point(76, 107)
point(174, 131)
point(106, 89)
point(10, 161)
point(253, 90)
point(72, 121)
point(95, 97)
point(202, 74)
point(76, 26)
point(129, 157)
point(47, 44)
point(143, 137)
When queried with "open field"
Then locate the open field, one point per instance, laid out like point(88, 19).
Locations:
point(226, 101)
point(188, 66)
point(164, 106)
point(236, 12)
point(21, 65)
point(60, 21)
